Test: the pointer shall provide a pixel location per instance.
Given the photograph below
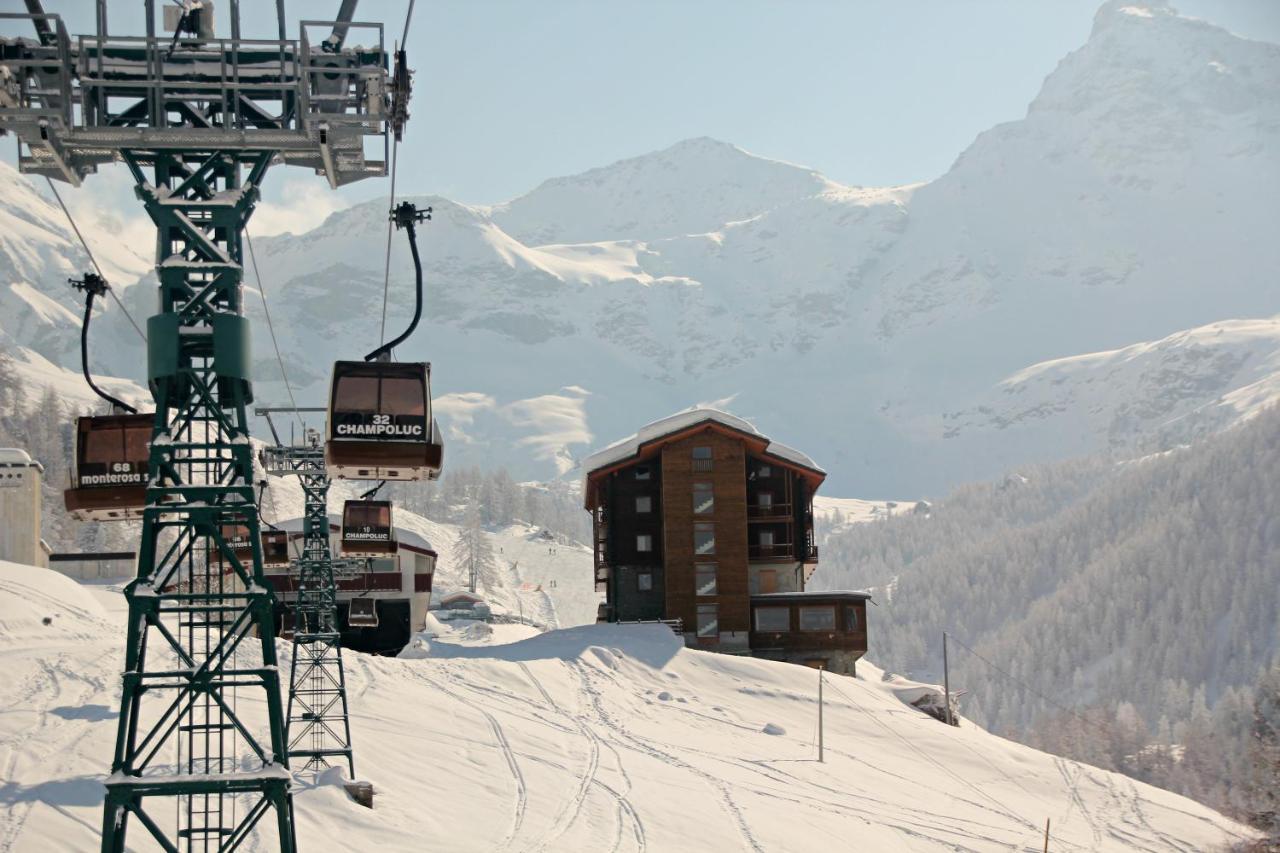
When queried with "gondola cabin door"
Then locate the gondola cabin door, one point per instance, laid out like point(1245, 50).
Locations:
point(380, 425)
point(112, 458)
point(366, 529)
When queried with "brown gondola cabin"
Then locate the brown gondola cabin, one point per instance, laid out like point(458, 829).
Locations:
point(380, 425)
point(109, 482)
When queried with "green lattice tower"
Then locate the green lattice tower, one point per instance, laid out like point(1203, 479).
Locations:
point(202, 724)
point(318, 722)
point(200, 632)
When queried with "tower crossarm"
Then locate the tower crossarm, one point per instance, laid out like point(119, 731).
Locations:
point(78, 102)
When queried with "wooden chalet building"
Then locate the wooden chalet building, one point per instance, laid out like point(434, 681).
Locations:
point(703, 522)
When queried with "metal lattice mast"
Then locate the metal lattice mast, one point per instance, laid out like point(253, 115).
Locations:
point(183, 731)
point(318, 714)
point(197, 120)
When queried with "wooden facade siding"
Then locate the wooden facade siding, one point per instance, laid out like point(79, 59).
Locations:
point(729, 517)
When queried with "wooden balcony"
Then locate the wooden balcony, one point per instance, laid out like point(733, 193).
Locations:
point(779, 552)
point(782, 552)
point(768, 512)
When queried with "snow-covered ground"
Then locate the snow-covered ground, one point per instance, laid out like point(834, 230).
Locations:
point(592, 738)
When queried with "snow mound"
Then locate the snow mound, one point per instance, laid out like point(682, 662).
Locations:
point(39, 604)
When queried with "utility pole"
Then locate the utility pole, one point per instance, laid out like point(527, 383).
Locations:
point(821, 759)
point(946, 680)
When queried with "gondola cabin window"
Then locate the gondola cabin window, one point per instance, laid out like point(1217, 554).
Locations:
point(379, 403)
point(113, 451)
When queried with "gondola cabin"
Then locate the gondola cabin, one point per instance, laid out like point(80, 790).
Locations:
point(275, 549)
point(236, 537)
point(367, 529)
point(380, 423)
point(110, 478)
point(363, 613)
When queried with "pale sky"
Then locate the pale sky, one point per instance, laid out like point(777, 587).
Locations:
point(510, 92)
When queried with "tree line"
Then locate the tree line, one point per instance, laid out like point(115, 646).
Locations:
point(1132, 607)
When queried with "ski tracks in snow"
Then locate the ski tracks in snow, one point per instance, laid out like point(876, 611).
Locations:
point(731, 808)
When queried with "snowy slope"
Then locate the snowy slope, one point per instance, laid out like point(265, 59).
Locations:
point(1151, 394)
point(38, 253)
point(595, 738)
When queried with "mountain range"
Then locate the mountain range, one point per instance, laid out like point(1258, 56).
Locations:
point(1100, 273)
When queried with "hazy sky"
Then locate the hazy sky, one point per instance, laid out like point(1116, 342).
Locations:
point(869, 92)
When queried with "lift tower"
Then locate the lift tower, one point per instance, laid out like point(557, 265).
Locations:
point(318, 724)
point(201, 754)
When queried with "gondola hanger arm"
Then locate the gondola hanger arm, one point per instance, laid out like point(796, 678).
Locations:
point(405, 216)
point(93, 286)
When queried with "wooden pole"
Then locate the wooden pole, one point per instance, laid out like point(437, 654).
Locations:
point(820, 733)
point(946, 679)
point(1046, 835)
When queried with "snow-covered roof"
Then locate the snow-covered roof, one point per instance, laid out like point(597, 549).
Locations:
point(16, 456)
point(405, 537)
point(631, 445)
point(813, 593)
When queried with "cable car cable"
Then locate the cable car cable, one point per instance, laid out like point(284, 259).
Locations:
point(399, 115)
point(94, 285)
point(94, 260)
point(288, 387)
point(406, 215)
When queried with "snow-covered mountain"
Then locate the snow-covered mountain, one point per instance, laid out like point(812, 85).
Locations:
point(1134, 202)
point(595, 738)
point(1143, 396)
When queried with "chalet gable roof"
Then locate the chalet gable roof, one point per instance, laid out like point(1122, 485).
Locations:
point(634, 445)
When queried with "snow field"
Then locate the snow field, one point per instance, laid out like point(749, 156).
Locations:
point(596, 738)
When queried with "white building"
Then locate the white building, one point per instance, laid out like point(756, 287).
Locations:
point(399, 584)
point(20, 479)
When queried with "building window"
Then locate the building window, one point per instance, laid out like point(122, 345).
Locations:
point(642, 472)
point(704, 539)
point(773, 619)
point(705, 578)
point(644, 581)
point(644, 503)
point(764, 498)
point(708, 620)
point(850, 619)
point(818, 618)
point(766, 538)
point(644, 542)
point(702, 459)
point(764, 471)
point(704, 499)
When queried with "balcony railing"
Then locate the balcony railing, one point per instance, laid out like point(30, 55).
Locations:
point(776, 551)
point(783, 551)
point(757, 511)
